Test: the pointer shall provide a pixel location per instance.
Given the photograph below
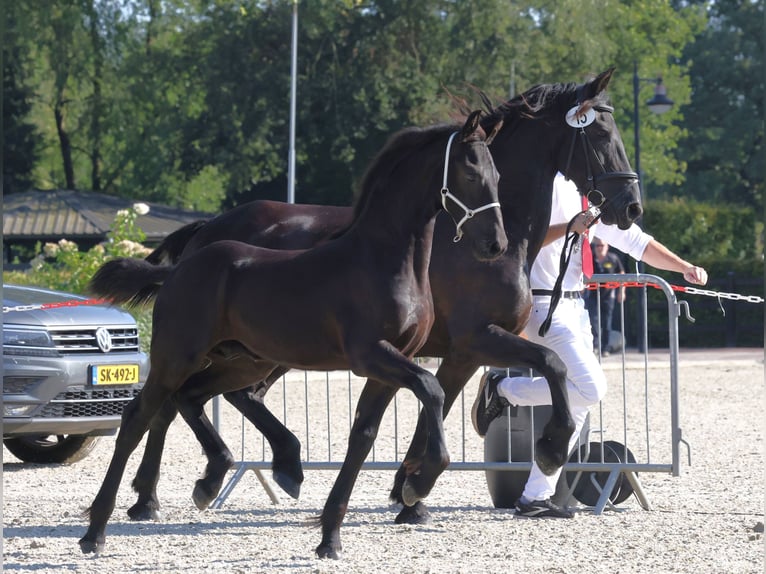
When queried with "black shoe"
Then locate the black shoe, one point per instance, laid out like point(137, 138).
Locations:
point(488, 404)
point(542, 509)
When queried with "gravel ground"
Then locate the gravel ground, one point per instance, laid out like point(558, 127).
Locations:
point(708, 520)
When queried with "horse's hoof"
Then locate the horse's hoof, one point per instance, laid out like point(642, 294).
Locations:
point(201, 496)
point(547, 459)
point(410, 495)
point(416, 514)
point(287, 483)
point(91, 546)
point(142, 513)
point(325, 551)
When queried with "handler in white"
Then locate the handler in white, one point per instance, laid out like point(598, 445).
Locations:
point(569, 334)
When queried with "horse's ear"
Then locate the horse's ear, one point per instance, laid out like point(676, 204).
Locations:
point(470, 126)
point(594, 87)
point(494, 132)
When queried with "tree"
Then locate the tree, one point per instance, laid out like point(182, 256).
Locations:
point(724, 119)
point(20, 137)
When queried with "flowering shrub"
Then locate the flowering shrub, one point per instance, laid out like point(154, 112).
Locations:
point(63, 267)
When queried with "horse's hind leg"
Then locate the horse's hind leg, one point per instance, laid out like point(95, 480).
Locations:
point(219, 457)
point(369, 411)
point(145, 482)
point(135, 420)
point(286, 466)
point(227, 374)
point(453, 374)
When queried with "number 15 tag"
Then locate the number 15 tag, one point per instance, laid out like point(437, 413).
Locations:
point(584, 119)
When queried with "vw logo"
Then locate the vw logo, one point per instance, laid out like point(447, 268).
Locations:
point(104, 339)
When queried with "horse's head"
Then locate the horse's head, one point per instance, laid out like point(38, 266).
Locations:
point(595, 158)
point(469, 190)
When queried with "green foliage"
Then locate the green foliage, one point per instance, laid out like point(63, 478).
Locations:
point(20, 136)
point(728, 242)
point(704, 231)
point(183, 101)
point(724, 119)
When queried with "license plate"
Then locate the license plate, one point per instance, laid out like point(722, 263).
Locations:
point(114, 374)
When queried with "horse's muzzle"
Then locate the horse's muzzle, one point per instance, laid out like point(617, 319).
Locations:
point(490, 249)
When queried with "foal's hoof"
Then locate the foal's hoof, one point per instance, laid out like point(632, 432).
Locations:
point(416, 514)
point(201, 496)
point(91, 546)
point(287, 483)
point(327, 551)
point(143, 512)
point(410, 494)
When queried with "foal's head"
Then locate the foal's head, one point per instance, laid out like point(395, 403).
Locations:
point(469, 189)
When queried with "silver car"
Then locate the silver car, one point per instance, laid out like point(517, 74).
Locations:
point(69, 368)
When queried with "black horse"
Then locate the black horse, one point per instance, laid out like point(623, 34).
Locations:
point(232, 301)
point(480, 310)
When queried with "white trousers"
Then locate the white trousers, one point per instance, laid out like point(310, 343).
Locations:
point(570, 336)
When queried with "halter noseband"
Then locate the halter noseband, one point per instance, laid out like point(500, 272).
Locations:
point(446, 193)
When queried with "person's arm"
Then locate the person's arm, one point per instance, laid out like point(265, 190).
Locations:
point(659, 256)
point(558, 230)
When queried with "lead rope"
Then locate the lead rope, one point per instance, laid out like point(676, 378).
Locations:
point(446, 193)
point(570, 240)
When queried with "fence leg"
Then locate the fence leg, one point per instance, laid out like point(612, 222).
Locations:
point(243, 467)
point(638, 489)
point(606, 490)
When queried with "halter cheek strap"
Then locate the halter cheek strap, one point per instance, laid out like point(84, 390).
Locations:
point(468, 213)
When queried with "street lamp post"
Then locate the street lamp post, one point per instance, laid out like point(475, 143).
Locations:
point(658, 104)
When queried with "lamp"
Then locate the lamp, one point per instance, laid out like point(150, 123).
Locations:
point(659, 104)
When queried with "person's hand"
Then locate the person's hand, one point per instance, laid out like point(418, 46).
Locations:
point(581, 222)
point(696, 275)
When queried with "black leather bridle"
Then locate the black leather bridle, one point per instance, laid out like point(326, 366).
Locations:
point(595, 197)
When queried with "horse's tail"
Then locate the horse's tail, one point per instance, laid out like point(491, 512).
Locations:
point(169, 251)
point(129, 281)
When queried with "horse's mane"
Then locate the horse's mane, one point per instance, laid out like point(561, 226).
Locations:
point(398, 147)
point(540, 101)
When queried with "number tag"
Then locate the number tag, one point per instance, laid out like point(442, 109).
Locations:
point(583, 120)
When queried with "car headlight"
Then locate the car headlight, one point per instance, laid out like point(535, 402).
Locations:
point(10, 410)
point(20, 341)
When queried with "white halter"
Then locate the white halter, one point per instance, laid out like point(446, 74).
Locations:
point(446, 193)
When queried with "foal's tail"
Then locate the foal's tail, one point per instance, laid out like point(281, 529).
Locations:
point(169, 251)
point(129, 281)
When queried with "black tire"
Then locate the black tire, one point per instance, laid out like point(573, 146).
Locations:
point(59, 449)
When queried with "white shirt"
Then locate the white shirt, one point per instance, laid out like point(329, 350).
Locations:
point(566, 203)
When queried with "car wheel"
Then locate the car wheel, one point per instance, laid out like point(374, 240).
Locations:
point(51, 448)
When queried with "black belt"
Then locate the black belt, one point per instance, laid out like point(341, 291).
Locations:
point(564, 294)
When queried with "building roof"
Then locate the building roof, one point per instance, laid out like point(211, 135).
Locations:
point(53, 215)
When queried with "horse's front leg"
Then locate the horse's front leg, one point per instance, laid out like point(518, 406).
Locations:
point(385, 363)
point(453, 373)
point(145, 482)
point(372, 404)
point(497, 347)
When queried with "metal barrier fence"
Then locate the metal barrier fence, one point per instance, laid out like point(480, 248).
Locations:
point(318, 407)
